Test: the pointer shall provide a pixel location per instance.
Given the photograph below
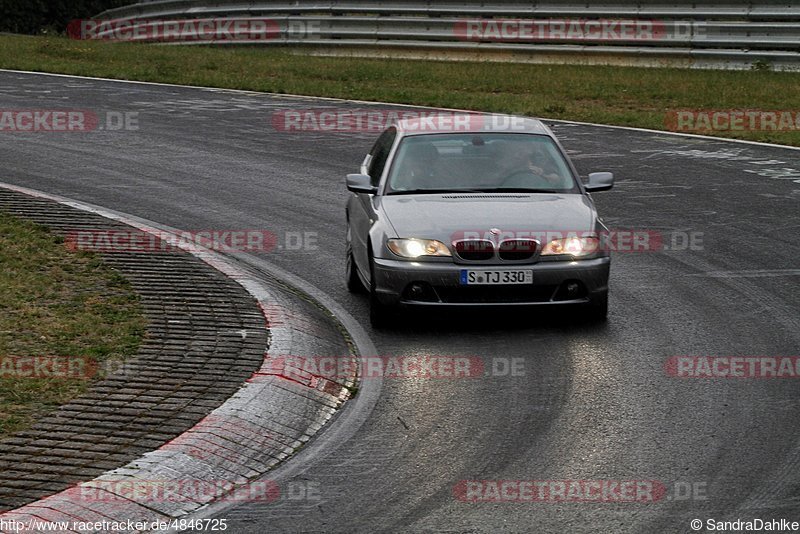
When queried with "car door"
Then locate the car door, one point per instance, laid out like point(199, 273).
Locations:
point(361, 211)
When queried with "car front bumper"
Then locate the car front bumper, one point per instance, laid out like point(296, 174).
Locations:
point(438, 283)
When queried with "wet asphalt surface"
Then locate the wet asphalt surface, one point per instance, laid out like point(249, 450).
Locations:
point(585, 403)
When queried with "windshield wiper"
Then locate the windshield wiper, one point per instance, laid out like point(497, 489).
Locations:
point(516, 190)
point(486, 190)
point(435, 191)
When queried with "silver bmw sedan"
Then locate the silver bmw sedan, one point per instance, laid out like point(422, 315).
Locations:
point(475, 210)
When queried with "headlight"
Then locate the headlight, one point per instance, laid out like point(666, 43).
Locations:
point(574, 246)
point(415, 248)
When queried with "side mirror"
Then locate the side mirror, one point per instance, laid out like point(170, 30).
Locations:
point(361, 183)
point(600, 181)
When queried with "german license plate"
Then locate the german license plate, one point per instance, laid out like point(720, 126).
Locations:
point(495, 278)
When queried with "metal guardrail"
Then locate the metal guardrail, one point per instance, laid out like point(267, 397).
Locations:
point(707, 33)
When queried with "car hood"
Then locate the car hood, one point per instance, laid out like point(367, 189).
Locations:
point(446, 216)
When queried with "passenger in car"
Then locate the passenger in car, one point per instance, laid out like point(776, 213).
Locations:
point(417, 168)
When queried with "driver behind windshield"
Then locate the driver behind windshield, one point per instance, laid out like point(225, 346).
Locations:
point(528, 165)
point(478, 163)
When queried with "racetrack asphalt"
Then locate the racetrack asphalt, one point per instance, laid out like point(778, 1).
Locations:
point(587, 402)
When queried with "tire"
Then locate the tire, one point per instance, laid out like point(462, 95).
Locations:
point(353, 281)
point(597, 310)
point(379, 313)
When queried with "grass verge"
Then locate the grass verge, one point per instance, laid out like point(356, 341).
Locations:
point(625, 96)
point(56, 304)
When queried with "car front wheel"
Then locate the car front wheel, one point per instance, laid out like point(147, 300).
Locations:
point(597, 309)
point(352, 279)
point(379, 313)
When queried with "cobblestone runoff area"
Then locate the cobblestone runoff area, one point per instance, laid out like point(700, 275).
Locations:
point(205, 338)
point(203, 399)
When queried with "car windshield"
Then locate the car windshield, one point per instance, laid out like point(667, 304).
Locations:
point(484, 162)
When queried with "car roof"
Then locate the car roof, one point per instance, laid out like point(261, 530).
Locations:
point(451, 122)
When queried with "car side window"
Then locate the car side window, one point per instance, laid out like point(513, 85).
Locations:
point(380, 153)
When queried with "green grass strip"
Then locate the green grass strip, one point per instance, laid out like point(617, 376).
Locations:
point(625, 96)
point(56, 305)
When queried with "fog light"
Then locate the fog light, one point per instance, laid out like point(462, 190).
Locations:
point(573, 288)
point(570, 290)
point(417, 291)
point(420, 292)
